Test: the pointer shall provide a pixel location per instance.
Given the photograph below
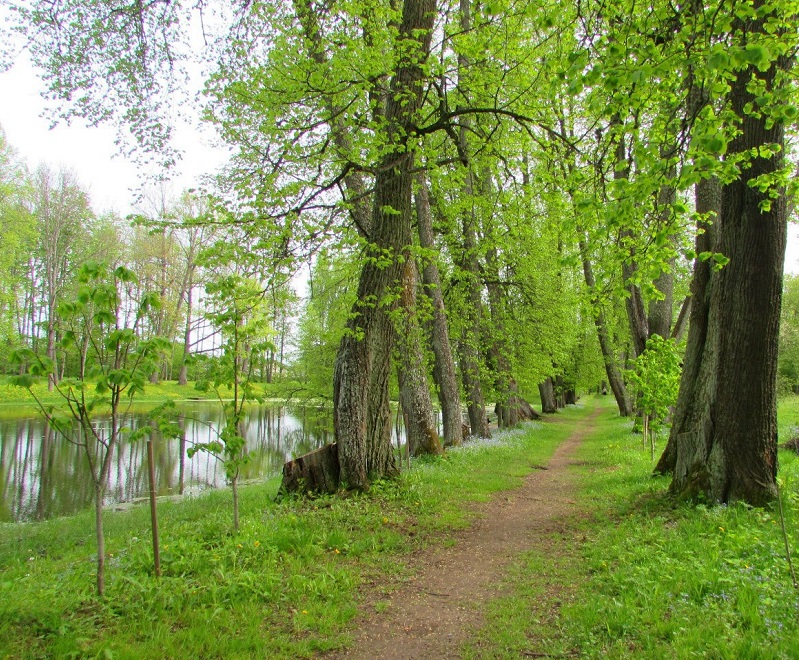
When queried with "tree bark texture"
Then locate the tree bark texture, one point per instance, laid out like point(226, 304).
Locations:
point(317, 472)
point(727, 449)
point(688, 409)
point(420, 427)
point(361, 413)
point(444, 374)
point(546, 390)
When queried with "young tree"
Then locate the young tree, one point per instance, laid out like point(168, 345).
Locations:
point(117, 365)
point(237, 307)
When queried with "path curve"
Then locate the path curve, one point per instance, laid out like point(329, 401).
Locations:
point(437, 610)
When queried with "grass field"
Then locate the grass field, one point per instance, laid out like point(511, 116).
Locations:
point(631, 575)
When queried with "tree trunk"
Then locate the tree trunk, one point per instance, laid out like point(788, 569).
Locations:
point(661, 311)
point(444, 366)
point(183, 376)
point(688, 410)
point(420, 427)
point(361, 413)
point(729, 450)
point(634, 302)
point(611, 368)
point(99, 494)
point(547, 391)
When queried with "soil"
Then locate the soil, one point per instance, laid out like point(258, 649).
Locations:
point(432, 614)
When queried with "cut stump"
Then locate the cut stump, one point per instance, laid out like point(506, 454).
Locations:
point(315, 472)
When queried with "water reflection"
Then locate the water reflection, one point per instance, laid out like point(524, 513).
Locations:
point(42, 475)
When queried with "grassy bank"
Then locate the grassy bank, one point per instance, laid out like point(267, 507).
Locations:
point(284, 586)
point(637, 575)
point(16, 401)
point(631, 575)
point(11, 395)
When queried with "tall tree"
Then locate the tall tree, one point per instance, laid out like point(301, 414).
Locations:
point(62, 212)
point(444, 367)
point(727, 450)
point(360, 394)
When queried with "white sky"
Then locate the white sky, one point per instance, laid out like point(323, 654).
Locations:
point(111, 179)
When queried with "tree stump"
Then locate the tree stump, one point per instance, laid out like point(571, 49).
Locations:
point(315, 472)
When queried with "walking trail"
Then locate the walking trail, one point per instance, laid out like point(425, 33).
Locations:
point(430, 616)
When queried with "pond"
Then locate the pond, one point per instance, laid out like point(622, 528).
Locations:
point(43, 476)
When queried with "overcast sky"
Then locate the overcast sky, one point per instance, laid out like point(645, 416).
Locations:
point(110, 178)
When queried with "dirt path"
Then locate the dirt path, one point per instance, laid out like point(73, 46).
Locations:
point(429, 617)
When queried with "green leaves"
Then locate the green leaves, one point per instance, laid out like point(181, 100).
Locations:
point(656, 373)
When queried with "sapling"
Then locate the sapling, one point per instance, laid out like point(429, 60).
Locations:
point(237, 309)
point(102, 324)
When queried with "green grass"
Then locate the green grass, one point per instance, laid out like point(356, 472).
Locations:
point(285, 586)
point(167, 389)
point(632, 574)
point(639, 576)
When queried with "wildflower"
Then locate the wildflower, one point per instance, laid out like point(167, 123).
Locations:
point(305, 611)
point(385, 521)
point(336, 551)
point(257, 543)
point(721, 528)
point(239, 545)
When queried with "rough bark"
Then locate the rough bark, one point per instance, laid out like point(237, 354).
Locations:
point(444, 374)
point(728, 450)
point(316, 472)
point(361, 412)
point(688, 409)
point(525, 410)
point(417, 408)
point(546, 390)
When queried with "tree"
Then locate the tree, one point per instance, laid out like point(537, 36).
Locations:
point(726, 447)
point(62, 213)
point(237, 308)
point(17, 236)
point(117, 365)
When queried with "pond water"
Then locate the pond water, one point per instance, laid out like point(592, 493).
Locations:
point(42, 475)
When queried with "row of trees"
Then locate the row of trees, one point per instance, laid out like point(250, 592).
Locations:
point(493, 178)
